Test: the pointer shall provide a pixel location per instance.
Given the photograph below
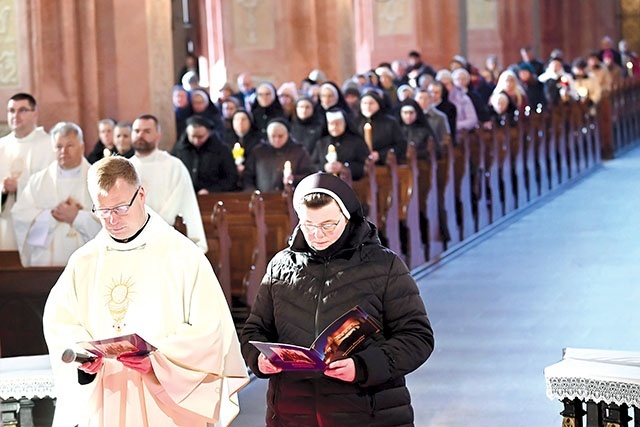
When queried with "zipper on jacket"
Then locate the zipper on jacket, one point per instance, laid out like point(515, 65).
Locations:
point(320, 294)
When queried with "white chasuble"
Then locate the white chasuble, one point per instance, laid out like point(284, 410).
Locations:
point(20, 158)
point(170, 192)
point(43, 241)
point(162, 287)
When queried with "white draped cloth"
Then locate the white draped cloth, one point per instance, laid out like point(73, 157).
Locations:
point(162, 287)
point(611, 376)
point(20, 158)
point(41, 239)
point(170, 192)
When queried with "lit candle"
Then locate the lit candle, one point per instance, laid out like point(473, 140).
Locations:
point(630, 67)
point(106, 152)
point(367, 136)
point(331, 156)
point(287, 171)
point(583, 92)
point(238, 153)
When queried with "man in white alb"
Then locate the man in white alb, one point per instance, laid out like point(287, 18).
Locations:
point(52, 218)
point(140, 275)
point(27, 149)
point(166, 179)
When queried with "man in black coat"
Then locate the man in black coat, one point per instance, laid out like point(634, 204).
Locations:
point(208, 160)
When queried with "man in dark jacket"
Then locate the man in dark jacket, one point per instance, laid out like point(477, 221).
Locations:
point(208, 160)
point(334, 262)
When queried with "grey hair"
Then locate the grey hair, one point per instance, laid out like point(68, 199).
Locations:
point(67, 128)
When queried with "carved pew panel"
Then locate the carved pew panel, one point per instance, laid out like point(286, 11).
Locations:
point(477, 156)
point(388, 199)
point(409, 208)
point(280, 219)
point(429, 203)
point(462, 172)
point(490, 142)
point(517, 138)
point(446, 192)
point(366, 188)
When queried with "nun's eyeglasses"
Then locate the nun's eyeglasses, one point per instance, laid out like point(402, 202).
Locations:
point(325, 227)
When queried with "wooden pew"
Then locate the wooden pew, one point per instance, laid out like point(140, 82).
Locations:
point(429, 203)
point(529, 161)
point(247, 231)
point(216, 229)
point(517, 139)
point(462, 164)
point(409, 208)
point(366, 188)
point(557, 148)
point(538, 134)
point(492, 177)
point(477, 166)
point(280, 218)
point(446, 192)
point(388, 200)
point(503, 135)
point(23, 293)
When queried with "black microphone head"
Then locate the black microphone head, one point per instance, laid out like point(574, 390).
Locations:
point(68, 356)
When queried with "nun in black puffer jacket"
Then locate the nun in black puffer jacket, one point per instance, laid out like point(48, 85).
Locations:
point(335, 261)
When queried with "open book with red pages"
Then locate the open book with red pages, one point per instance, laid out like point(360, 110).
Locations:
point(111, 348)
point(337, 341)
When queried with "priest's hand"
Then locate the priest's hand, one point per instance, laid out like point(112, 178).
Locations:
point(140, 364)
point(66, 211)
point(9, 185)
point(92, 367)
point(266, 367)
point(343, 369)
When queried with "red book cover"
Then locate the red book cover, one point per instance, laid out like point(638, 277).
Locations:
point(337, 341)
point(111, 348)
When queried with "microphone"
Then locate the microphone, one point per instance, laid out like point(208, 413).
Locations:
point(69, 356)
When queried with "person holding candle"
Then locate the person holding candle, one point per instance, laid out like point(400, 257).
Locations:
point(385, 131)
point(350, 150)
point(264, 169)
point(247, 134)
point(587, 86)
point(335, 261)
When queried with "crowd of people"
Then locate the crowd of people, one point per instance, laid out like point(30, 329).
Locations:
point(107, 218)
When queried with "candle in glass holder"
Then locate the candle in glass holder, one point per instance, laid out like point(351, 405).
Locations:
point(367, 136)
point(238, 153)
point(287, 171)
point(331, 156)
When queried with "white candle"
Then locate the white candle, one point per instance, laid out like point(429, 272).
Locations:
point(331, 156)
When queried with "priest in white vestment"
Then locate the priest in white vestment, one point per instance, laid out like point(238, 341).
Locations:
point(52, 218)
point(140, 275)
point(166, 179)
point(26, 150)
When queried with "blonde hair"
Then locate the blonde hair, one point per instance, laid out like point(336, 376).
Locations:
point(105, 172)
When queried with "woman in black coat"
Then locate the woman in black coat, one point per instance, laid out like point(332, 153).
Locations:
point(334, 262)
point(266, 106)
point(415, 128)
point(385, 131)
point(350, 149)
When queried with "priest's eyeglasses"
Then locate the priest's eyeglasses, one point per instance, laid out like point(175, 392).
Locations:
point(118, 210)
point(325, 227)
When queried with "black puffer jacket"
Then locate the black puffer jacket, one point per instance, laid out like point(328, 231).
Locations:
point(302, 293)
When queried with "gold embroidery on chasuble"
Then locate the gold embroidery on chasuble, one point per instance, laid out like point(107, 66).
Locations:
point(117, 301)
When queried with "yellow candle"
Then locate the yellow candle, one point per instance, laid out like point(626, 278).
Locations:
point(367, 136)
point(238, 153)
point(583, 92)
